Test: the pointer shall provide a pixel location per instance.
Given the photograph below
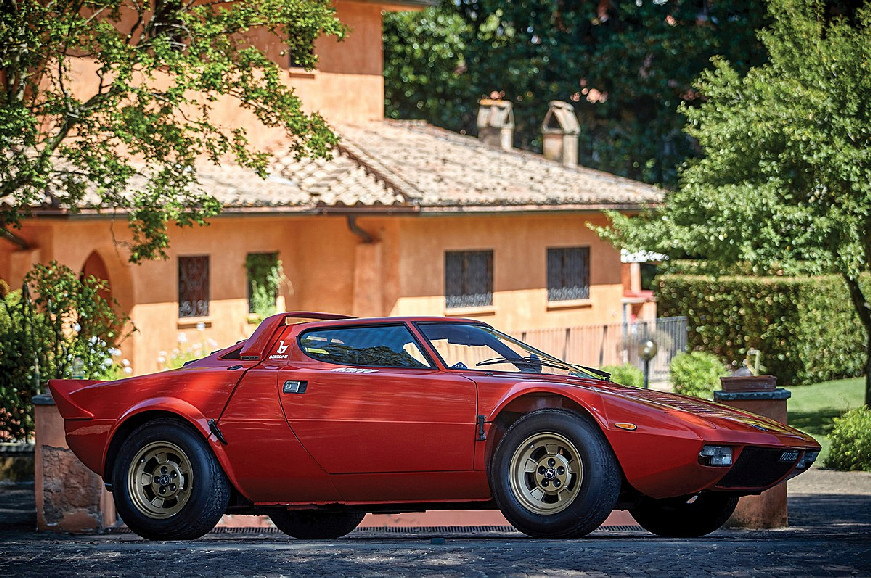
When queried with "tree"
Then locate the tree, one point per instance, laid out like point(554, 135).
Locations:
point(625, 66)
point(62, 327)
point(785, 183)
point(110, 102)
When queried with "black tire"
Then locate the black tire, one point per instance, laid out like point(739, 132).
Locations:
point(554, 475)
point(167, 483)
point(684, 517)
point(315, 525)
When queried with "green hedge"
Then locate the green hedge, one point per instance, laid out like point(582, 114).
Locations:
point(851, 441)
point(696, 373)
point(626, 374)
point(805, 327)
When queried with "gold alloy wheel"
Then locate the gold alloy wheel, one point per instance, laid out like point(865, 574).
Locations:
point(546, 473)
point(160, 479)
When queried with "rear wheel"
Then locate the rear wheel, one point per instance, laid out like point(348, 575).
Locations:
point(167, 483)
point(553, 475)
point(684, 517)
point(316, 525)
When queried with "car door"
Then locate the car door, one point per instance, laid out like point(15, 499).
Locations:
point(366, 399)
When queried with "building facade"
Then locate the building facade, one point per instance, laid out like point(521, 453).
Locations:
point(404, 219)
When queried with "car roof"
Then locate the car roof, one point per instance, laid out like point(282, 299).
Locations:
point(263, 335)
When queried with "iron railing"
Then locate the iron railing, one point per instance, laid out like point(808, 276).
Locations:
point(613, 344)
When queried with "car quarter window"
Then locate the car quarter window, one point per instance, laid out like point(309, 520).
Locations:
point(377, 346)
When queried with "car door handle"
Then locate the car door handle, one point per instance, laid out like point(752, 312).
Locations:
point(294, 386)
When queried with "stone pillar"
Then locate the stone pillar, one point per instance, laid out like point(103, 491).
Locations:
point(560, 131)
point(758, 394)
point(69, 496)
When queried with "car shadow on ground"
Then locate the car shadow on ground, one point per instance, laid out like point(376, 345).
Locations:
point(834, 513)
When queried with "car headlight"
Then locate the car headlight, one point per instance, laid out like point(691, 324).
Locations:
point(716, 456)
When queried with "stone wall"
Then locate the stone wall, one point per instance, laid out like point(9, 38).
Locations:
point(69, 496)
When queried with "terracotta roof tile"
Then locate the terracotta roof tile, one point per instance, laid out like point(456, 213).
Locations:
point(416, 166)
point(443, 169)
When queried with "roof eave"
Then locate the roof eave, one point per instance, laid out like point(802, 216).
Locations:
point(537, 208)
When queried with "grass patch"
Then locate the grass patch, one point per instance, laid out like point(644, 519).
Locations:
point(812, 408)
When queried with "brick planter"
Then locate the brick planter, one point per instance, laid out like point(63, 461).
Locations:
point(69, 496)
point(758, 394)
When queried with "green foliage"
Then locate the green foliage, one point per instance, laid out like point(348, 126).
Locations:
point(785, 184)
point(160, 69)
point(851, 441)
point(813, 408)
point(424, 67)
point(696, 373)
point(265, 276)
point(626, 374)
point(624, 65)
point(62, 328)
point(805, 328)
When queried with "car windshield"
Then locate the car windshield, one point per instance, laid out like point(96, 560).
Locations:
point(482, 348)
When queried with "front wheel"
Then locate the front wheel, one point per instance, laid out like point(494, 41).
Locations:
point(554, 475)
point(167, 483)
point(684, 517)
point(316, 525)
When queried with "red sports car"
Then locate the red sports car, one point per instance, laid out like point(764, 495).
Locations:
point(318, 419)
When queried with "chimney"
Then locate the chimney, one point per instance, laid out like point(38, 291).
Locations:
point(496, 123)
point(560, 131)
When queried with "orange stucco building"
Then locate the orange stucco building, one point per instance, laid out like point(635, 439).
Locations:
point(405, 219)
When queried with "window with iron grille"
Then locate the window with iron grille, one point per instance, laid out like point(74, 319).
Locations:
point(468, 279)
point(193, 286)
point(568, 273)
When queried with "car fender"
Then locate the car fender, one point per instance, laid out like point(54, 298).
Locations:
point(658, 450)
point(185, 411)
point(647, 444)
point(545, 395)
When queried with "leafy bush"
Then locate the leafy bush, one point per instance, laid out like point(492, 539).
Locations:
point(697, 373)
point(851, 441)
point(61, 327)
point(265, 276)
point(626, 374)
point(805, 327)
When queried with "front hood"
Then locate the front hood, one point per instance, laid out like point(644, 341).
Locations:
point(714, 415)
point(717, 415)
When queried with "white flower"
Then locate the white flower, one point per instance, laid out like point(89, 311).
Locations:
point(78, 328)
point(182, 338)
point(128, 370)
point(201, 326)
point(107, 362)
point(161, 359)
point(125, 362)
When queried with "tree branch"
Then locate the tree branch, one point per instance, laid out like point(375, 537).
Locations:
point(14, 239)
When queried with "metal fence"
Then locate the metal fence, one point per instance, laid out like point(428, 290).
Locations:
point(614, 344)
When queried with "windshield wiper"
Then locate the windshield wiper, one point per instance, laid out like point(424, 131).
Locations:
point(596, 373)
point(538, 362)
point(513, 361)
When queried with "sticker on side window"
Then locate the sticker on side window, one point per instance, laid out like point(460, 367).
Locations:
point(353, 370)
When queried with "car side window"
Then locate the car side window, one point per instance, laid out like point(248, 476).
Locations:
point(375, 346)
